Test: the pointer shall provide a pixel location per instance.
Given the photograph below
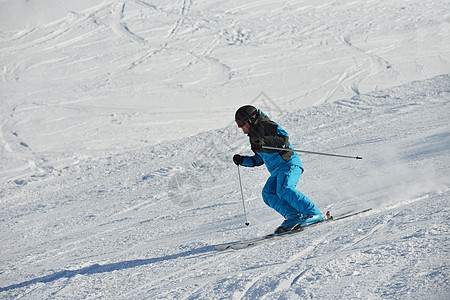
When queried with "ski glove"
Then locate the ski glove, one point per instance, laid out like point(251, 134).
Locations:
point(238, 159)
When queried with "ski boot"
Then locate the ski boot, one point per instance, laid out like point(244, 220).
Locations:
point(308, 220)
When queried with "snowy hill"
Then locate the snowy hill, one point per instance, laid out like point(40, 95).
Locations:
point(116, 179)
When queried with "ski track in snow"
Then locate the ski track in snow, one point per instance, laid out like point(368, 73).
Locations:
point(116, 138)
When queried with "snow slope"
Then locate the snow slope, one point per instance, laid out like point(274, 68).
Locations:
point(109, 76)
point(117, 137)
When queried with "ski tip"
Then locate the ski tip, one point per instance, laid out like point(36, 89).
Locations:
point(223, 247)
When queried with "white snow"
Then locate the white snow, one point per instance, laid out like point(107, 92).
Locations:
point(117, 132)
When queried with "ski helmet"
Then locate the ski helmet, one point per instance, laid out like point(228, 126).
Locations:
point(246, 113)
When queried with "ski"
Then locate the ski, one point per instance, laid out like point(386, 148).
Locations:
point(259, 240)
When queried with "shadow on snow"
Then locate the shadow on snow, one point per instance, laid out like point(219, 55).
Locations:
point(98, 269)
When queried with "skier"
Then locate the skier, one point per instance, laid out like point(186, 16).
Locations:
point(285, 168)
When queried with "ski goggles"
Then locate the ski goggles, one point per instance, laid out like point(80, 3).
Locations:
point(240, 123)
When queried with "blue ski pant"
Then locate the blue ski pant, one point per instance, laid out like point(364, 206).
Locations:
point(280, 193)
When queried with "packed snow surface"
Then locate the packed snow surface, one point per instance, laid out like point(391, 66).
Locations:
point(117, 132)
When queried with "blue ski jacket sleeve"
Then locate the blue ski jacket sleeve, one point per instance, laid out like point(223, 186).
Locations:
point(265, 132)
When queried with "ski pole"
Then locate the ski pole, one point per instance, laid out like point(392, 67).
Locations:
point(242, 194)
point(310, 152)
